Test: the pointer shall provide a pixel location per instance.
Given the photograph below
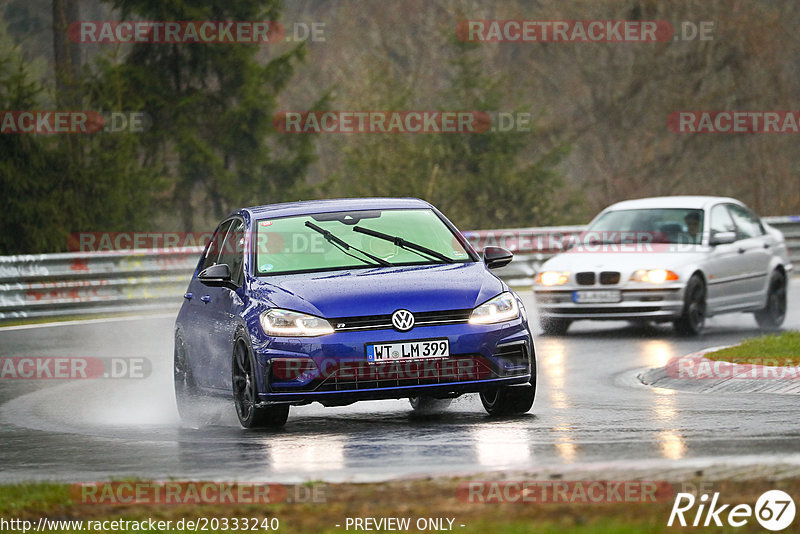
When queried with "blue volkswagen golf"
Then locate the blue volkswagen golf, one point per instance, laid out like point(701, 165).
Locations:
point(337, 301)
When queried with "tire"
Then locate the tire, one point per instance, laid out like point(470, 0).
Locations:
point(773, 314)
point(245, 392)
point(187, 397)
point(693, 318)
point(554, 326)
point(509, 400)
point(426, 405)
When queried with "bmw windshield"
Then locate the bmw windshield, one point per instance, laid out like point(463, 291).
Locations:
point(355, 239)
point(657, 225)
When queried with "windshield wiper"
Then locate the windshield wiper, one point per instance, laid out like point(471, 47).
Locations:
point(402, 243)
point(344, 246)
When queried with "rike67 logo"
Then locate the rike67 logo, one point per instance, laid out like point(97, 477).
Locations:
point(774, 510)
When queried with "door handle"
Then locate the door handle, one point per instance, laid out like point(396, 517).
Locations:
point(741, 251)
point(188, 296)
point(205, 298)
point(766, 245)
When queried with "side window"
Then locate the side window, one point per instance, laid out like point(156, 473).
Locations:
point(215, 246)
point(747, 224)
point(721, 220)
point(233, 251)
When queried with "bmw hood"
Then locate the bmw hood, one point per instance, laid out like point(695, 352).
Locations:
point(380, 291)
point(624, 262)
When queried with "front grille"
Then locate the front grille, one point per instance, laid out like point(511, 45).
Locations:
point(511, 360)
point(371, 322)
point(585, 278)
point(609, 277)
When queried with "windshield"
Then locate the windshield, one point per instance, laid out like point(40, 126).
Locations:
point(659, 225)
point(330, 241)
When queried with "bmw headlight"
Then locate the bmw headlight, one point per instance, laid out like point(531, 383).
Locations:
point(501, 308)
point(552, 278)
point(655, 276)
point(277, 322)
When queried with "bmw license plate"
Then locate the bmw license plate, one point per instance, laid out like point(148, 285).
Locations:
point(595, 297)
point(408, 350)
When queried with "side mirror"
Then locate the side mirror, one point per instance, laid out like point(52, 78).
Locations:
point(722, 238)
point(495, 257)
point(218, 275)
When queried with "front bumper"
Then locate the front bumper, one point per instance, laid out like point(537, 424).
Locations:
point(653, 303)
point(333, 368)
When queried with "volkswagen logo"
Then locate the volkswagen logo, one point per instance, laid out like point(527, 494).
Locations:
point(403, 320)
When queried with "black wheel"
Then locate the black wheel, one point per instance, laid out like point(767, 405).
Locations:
point(510, 400)
point(773, 314)
point(187, 397)
point(554, 326)
point(429, 404)
point(245, 393)
point(693, 318)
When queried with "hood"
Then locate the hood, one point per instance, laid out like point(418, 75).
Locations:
point(380, 291)
point(624, 262)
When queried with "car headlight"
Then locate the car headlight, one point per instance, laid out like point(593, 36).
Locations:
point(655, 276)
point(501, 308)
point(552, 278)
point(277, 322)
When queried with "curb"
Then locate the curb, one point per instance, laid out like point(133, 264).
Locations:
point(738, 381)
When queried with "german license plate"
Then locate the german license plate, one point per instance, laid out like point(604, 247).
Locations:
point(408, 350)
point(596, 297)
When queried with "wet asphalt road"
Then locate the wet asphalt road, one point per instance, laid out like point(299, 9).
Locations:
point(590, 410)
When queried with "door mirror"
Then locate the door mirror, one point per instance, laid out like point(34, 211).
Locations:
point(495, 257)
point(722, 238)
point(218, 275)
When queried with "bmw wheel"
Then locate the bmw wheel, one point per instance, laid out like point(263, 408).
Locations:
point(773, 314)
point(693, 318)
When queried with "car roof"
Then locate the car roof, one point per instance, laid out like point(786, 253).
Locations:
point(686, 202)
point(288, 209)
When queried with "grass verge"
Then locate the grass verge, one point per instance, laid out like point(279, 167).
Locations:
point(776, 350)
point(413, 499)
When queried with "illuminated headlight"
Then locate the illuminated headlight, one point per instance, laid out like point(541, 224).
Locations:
point(277, 322)
point(552, 278)
point(503, 307)
point(655, 276)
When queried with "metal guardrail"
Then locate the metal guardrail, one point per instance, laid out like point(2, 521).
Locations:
point(57, 285)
